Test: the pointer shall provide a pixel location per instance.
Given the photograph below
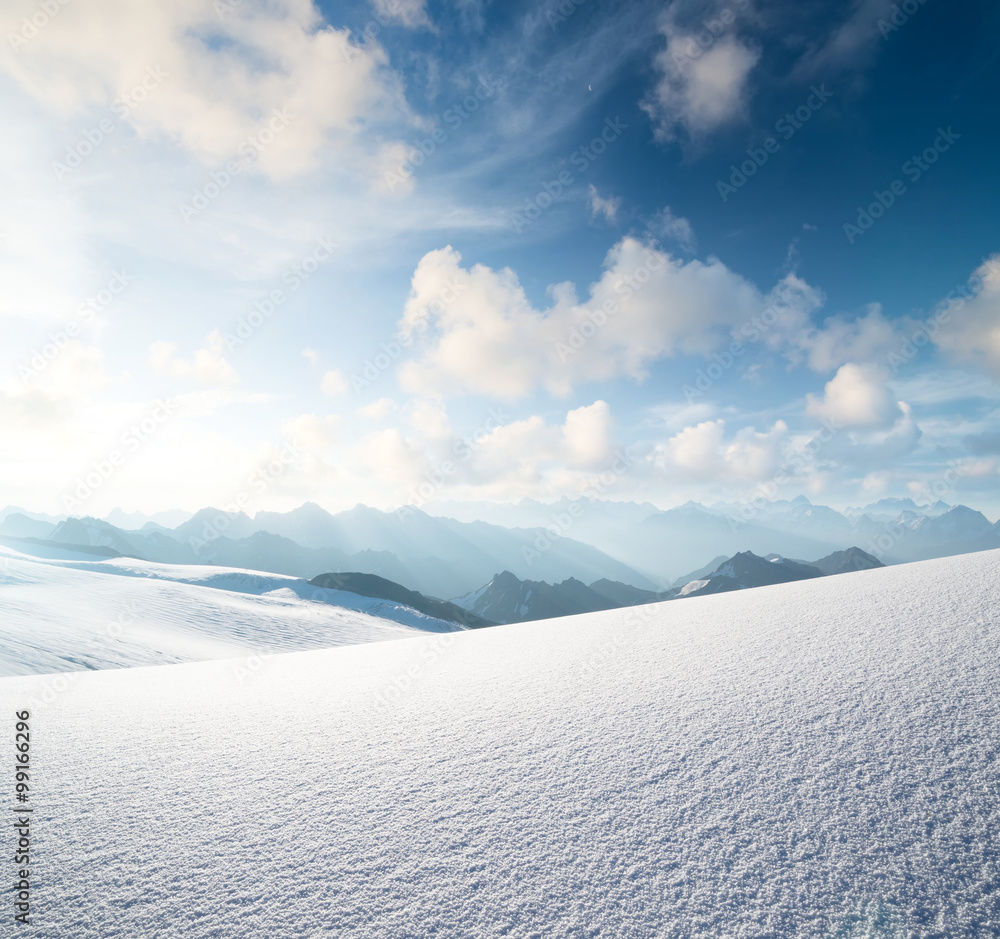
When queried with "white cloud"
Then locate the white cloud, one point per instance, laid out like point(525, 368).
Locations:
point(410, 13)
point(789, 329)
point(702, 453)
point(588, 435)
point(605, 206)
point(377, 410)
point(207, 367)
point(334, 383)
point(312, 356)
point(426, 457)
point(482, 335)
point(972, 332)
point(531, 455)
point(876, 446)
point(857, 397)
point(212, 80)
point(699, 89)
point(841, 340)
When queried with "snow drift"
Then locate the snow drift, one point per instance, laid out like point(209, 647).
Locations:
point(73, 612)
point(814, 759)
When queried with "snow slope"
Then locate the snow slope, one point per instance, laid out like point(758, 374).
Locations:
point(69, 611)
point(812, 759)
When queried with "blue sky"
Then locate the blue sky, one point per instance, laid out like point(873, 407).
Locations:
point(509, 242)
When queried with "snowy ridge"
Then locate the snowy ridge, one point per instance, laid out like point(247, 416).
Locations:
point(815, 760)
point(67, 613)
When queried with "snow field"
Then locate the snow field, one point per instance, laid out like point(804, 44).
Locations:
point(815, 759)
point(66, 614)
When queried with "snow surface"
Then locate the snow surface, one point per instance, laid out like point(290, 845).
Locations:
point(67, 611)
point(813, 759)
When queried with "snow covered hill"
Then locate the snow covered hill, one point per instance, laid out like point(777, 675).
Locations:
point(72, 612)
point(816, 760)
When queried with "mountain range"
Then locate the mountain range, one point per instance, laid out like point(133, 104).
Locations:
point(663, 544)
point(437, 557)
point(505, 599)
point(635, 544)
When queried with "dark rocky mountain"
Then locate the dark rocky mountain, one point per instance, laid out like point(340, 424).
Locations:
point(371, 585)
point(842, 562)
point(506, 599)
point(745, 570)
point(624, 594)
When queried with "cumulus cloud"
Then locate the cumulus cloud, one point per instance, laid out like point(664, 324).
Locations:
point(875, 447)
point(841, 340)
point(478, 333)
point(211, 81)
point(872, 426)
point(699, 89)
point(703, 453)
point(606, 206)
point(425, 457)
point(972, 332)
point(208, 366)
point(857, 397)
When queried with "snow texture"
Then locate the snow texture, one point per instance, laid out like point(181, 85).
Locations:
point(68, 612)
point(813, 759)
